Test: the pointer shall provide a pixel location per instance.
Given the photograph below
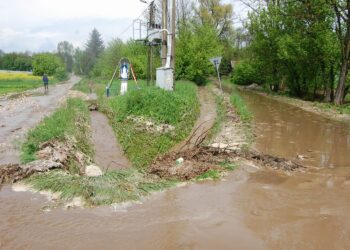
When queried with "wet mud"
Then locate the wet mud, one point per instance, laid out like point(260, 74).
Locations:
point(108, 153)
point(204, 122)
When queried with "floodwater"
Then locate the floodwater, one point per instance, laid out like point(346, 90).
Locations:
point(251, 209)
point(108, 152)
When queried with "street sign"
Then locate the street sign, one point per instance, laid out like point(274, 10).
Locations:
point(216, 61)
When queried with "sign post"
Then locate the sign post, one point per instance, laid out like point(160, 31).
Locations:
point(216, 61)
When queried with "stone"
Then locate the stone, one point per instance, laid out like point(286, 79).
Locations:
point(93, 171)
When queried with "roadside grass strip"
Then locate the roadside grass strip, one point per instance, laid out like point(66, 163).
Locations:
point(71, 121)
point(179, 108)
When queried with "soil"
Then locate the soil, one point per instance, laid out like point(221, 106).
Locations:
point(19, 115)
point(203, 124)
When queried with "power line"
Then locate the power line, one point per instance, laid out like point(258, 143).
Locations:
point(133, 21)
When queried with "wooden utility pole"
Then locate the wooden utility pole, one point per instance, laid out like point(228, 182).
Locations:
point(164, 26)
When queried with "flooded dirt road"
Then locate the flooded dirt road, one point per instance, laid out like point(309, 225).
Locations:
point(287, 131)
point(252, 209)
point(19, 115)
point(108, 153)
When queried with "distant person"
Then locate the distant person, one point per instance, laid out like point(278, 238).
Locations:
point(46, 83)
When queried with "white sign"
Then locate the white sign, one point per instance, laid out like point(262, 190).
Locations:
point(216, 61)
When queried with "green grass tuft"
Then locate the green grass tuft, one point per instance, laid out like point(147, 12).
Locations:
point(211, 174)
point(113, 187)
point(241, 108)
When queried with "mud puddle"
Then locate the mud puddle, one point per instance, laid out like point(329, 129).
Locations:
point(108, 153)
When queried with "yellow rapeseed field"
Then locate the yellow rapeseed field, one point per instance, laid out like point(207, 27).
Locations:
point(18, 76)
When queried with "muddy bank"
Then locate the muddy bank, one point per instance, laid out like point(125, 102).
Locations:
point(19, 115)
point(51, 155)
point(108, 153)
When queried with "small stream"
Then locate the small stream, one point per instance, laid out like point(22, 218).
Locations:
point(251, 209)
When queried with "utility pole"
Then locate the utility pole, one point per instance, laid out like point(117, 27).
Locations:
point(173, 31)
point(164, 26)
point(149, 43)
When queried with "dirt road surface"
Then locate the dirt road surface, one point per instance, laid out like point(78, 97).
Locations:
point(203, 124)
point(19, 115)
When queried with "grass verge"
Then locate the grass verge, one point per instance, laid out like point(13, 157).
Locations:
point(179, 108)
point(70, 120)
point(113, 187)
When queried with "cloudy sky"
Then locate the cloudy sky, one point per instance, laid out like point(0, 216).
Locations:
point(38, 25)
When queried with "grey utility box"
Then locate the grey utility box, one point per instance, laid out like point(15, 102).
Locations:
point(165, 78)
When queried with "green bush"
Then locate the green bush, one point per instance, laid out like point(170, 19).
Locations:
point(61, 74)
point(245, 73)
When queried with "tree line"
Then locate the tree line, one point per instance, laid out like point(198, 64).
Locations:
point(302, 46)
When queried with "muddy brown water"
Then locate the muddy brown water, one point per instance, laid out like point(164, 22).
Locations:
point(252, 209)
point(108, 152)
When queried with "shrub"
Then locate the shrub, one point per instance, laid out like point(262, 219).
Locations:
point(246, 73)
point(61, 74)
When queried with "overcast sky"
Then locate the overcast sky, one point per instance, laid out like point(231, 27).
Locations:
point(38, 25)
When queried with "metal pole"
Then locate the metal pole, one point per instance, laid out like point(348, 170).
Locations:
point(148, 63)
point(217, 70)
point(173, 31)
point(164, 26)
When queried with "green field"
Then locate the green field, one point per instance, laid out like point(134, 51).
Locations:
point(13, 82)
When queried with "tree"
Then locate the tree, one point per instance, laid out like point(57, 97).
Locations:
point(217, 15)
point(93, 49)
point(194, 48)
point(65, 51)
point(342, 12)
point(46, 63)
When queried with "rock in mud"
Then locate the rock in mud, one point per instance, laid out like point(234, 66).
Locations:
point(93, 171)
